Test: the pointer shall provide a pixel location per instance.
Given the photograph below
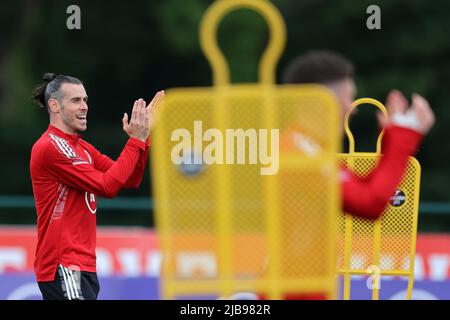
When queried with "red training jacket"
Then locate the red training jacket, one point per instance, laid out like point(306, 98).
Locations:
point(67, 175)
point(367, 197)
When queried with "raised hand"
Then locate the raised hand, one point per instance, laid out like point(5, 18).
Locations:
point(153, 107)
point(139, 125)
point(423, 112)
point(419, 116)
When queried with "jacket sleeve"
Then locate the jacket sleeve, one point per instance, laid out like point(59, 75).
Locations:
point(79, 174)
point(368, 196)
point(103, 163)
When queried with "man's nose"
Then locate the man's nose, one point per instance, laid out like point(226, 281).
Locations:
point(84, 106)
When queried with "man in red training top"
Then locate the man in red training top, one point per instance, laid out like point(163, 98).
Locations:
point(67, 175)
point(404, 127)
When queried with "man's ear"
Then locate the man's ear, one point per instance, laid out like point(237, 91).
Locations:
point(53, 105)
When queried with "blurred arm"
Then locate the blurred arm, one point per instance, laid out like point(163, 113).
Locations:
point(367, 197)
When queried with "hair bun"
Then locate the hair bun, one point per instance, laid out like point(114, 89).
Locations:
point(49, 76)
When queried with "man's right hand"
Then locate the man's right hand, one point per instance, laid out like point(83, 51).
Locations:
point(419, 116)
point(139, 126)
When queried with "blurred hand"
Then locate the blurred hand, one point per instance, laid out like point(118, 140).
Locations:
point(418, 116)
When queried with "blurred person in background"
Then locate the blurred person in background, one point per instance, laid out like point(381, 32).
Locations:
point(405, 126)
point(67, 175)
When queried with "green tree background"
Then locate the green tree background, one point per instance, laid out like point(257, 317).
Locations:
point(126, 50)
